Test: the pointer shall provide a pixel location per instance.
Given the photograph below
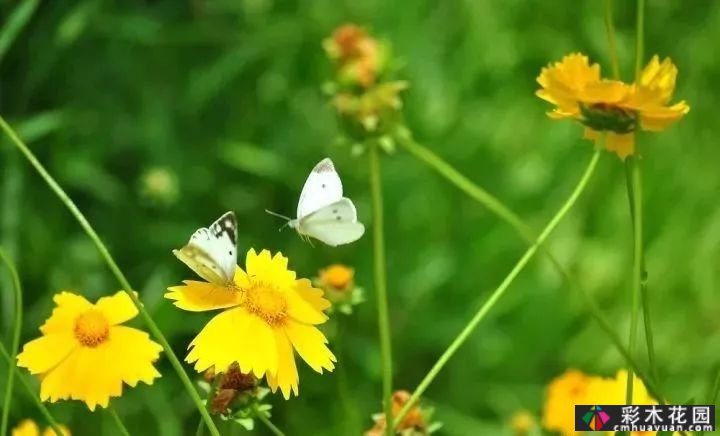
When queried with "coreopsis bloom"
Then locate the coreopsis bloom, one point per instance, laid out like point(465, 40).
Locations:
point(338, 281)
point(574, 387)
point(617, 109)
point(415, 423)
point(28, 427)
point(267, 315)
point(86, 354)
point(563, 393)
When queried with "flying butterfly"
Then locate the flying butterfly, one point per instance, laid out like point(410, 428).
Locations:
point(212, 252)
point(322, 212)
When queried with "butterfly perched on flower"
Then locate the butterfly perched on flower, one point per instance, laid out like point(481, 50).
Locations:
point(212, 251)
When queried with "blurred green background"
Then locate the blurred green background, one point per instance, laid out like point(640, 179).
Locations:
point(157, 116)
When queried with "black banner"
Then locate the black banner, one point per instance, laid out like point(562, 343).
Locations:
point(644, 418)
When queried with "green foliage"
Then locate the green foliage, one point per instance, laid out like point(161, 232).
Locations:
point(223, 100)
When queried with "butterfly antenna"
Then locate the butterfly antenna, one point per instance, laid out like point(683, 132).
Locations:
point(278, 215)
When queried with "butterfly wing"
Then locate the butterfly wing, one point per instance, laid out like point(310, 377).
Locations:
point(212, 252)
point(322, 187)
point(335, 224)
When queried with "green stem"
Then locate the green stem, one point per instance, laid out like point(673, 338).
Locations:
point(17, 287)
point(381, 281)
point(121, 427)
point(644, 294)
point(639, 38)
point(466, 185)
point(715, 389)
point(264, 419)
point(635, 197)
point(213, 390)
point(503, 212)
point(610, 28)
point(31, 392)
point(154, 329)
point(347, 402)
point(495, 296)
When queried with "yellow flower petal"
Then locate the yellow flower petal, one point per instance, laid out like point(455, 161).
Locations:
point(604, 91)
point(658, 119)
point(138, 353)
point(562, 81)
point(301, 310)
point(26, 428)
point(262, 340)
point(202, 296)
point(561, 396)
point(621, 144)
point(265, 265)
point(287, 376)
point(310, 344)
point(50, 432)
point(659, 78)
point(313, 296)
point(46, 352)
point(117, 308)
point(216, 343)
point(69, 306)
point(235, 336)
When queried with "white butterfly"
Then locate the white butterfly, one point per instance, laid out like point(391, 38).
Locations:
point(323, 213)
point(212, 252)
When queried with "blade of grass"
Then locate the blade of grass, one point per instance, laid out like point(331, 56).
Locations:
point(17, 21)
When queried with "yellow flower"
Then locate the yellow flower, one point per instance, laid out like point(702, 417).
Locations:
point(338, 277)
point(522, 422)
point(578, 92)
point(29, 428)
point(562, 395)
point(85, 354)
point(573, 387)
point(269, 314)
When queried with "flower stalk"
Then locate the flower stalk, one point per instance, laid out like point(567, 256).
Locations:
point(483, 197)
point(499, 291)
point(17, 289)
point(31, 392)
point(118, 422)
point(117, 272)
point(381, 280)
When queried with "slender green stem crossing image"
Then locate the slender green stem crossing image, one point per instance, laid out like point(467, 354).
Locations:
point(340, 219)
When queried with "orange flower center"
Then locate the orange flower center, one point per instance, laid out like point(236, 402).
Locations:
point(338, 277)
point(266, 302)
point(91, 328)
